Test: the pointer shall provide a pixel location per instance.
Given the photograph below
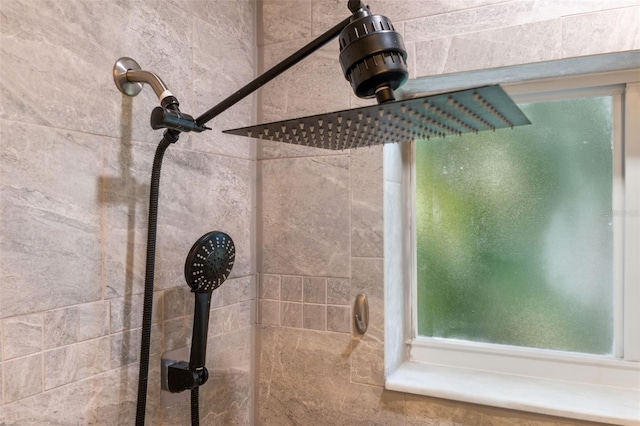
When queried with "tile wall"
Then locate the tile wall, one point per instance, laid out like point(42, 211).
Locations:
point(75, 164)
point(321, 213)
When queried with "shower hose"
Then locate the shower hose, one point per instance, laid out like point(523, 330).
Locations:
point(170, 137)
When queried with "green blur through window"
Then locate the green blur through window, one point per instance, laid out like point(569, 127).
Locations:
point(514, 231)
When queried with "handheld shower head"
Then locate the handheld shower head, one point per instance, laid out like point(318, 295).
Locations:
point(372, 54)
point(208, 265)
point(209, 262)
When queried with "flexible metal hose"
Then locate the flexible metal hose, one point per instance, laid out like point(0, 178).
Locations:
point(195, 410)
point(145, 344)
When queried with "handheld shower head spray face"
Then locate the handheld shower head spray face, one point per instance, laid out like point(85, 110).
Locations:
point(209, 262)
point(372, 55)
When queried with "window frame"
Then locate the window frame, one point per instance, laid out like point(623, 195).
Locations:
point(582, 386)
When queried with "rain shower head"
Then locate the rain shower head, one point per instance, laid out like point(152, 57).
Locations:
point(454, 113)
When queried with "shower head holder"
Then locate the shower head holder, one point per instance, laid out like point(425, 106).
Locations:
point(129, 79)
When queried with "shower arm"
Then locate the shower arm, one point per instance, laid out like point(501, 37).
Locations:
point(279, 68)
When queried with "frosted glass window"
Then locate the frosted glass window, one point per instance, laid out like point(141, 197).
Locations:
point(514, 231)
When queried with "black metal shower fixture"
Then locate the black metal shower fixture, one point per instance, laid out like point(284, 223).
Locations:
point(374, 61)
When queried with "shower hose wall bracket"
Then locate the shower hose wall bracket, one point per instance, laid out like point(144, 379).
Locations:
point(180, 378)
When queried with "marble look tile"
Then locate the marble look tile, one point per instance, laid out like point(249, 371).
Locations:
point(237, 316)
point(38, 82)
point(235, 16)
point(231, 350)
point(125, 195)
point(291, 288)
point(314, 290)
point(50, 206)
point(105, 399)
point(217, 319)
point(290, 359)
point(268, 312)
point(177, 333)
point(230, 292)
point(93, 319)
point(157, 339)
point(126, 313)
point(470, 20)
point(367, 360)
point(22, 377)
point(602, 32)
point(338, 291)
point(339, 319)
point(306, 232)
point(227, 397)
point(61, 327)
point(224, 64)
point(367, 202)
point(174, 302)
point(328, 13)
point(284, 20)
point(291, 314)
point(246, 288)
point(269, 287)
point(217, 299)
point(314, 317)
point(535, 42)
point(125, 348)
point(22, 335)
point(76, 362)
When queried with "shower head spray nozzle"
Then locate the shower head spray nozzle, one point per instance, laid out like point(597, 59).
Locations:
point(372, 54)
point(209, 262)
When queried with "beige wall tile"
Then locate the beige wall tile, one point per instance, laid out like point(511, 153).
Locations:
point(49, 218)
point(269, 287)
point(291, 288)
point(367, 203)
point(291, 314)
point(22, 377)
point(314, 290)
point(76, 362)
point(268, 312)
point(284, 20)
point(601, 32)
point(339, 319)
point(22, 335)
point(305, 216)
point(314, 316)
point(338, 291)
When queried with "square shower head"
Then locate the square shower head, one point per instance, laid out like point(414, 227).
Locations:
point(454, 113)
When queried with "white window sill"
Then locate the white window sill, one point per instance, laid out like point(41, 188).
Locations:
point(544, 396)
